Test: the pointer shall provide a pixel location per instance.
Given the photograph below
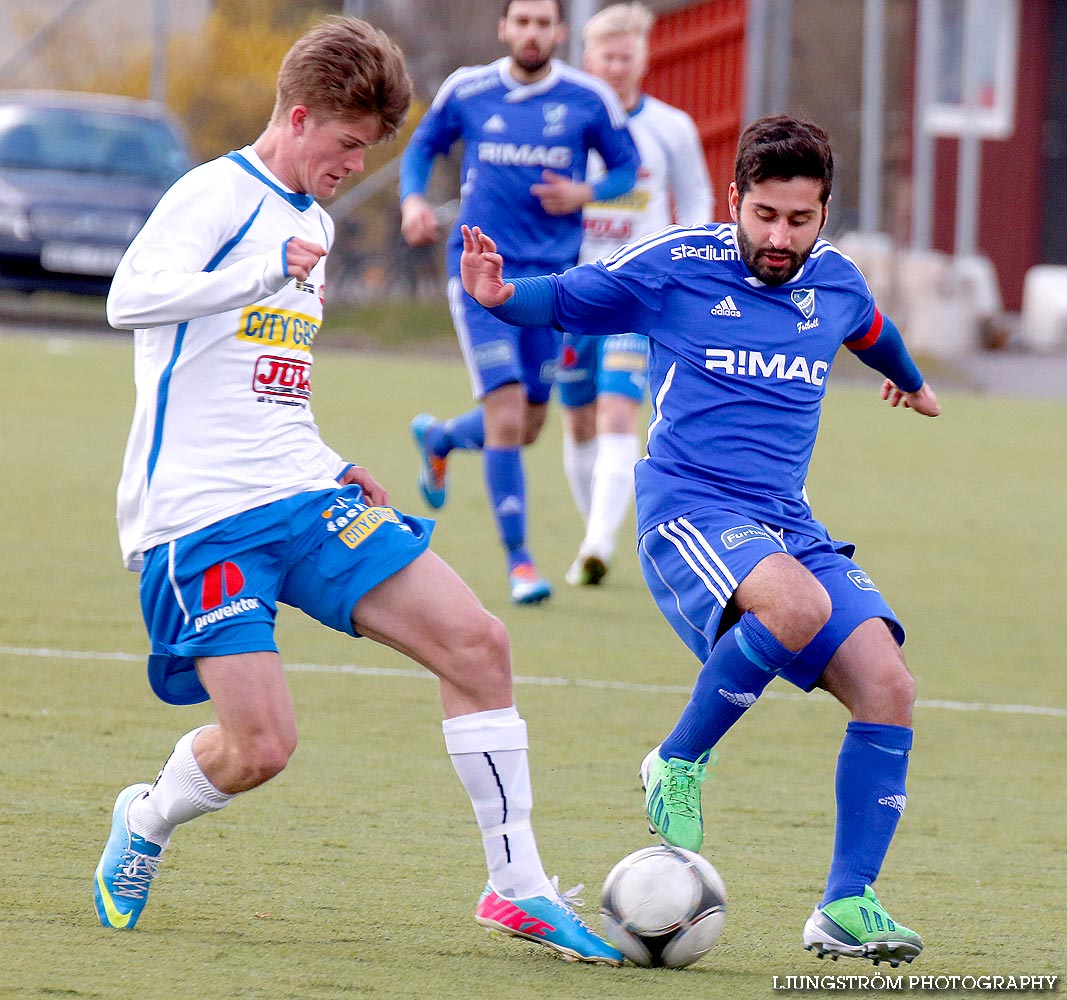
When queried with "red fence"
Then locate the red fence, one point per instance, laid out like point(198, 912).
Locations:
point(697, 63)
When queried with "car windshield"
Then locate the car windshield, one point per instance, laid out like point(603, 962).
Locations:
point(89, 141)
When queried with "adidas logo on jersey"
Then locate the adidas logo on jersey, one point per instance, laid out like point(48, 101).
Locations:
point(743, 699)
point(897, 802)
point(726, 308)
point(495, 124)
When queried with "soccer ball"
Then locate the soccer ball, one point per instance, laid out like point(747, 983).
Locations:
point(663, 906)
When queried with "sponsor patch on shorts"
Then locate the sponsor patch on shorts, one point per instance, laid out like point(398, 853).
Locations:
point(733, 537)
point(364, 525)
point(861, 580)
point(495, 354)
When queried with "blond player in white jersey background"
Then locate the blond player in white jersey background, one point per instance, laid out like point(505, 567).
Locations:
point(603, 381)
point(230, 502)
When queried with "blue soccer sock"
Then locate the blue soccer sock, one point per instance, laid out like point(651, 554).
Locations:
point(465, 433)
point(742, 664)
point(506, 486)
point(871, 772)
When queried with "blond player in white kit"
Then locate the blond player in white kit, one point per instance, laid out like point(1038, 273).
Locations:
point(230, 503)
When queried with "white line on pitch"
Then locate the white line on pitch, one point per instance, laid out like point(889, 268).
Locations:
point(580, 682)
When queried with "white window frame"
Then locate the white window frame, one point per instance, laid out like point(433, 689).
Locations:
point(994, 25)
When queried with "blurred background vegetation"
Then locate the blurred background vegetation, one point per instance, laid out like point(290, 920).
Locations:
point(221, 60)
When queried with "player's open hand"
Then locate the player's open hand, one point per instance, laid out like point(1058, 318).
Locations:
point(301, 257)
point(560, 195)
point(481, 269)
point(921, 401)
point(372, 492)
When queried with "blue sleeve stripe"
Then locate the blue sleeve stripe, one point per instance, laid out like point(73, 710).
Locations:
point(163, 392)
point(416, 165)
point(615, 182)
point(884, 351)
point(231, 243)
point(533, 303)
point(162, 395)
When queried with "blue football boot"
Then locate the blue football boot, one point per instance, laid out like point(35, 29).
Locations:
point(126, 868)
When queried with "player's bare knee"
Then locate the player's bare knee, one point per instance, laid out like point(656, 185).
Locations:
point(264, 758)
point(900, 690)
point(798, 620)
point(507, 427)
point(482, 659)
point(495, 652)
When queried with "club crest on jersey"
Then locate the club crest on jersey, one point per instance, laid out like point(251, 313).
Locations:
point(555, 116)
point(804, 300)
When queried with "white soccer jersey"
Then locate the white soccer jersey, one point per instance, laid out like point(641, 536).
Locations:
point(222, 355)
point(672, 167)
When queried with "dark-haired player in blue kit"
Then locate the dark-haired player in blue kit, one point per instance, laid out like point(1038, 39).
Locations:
point(744, 322)
point(528, 124)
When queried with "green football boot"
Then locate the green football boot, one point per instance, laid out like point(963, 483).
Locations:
point(672, 797)
point(859, 927)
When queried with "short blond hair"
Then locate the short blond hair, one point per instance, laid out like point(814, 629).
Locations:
point(619, 19)
point(345, 68)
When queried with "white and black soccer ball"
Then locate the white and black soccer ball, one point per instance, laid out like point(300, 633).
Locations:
point(663, 906)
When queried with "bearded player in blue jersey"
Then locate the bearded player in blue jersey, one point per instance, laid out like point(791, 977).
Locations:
point(528, 124)
point(744, 322)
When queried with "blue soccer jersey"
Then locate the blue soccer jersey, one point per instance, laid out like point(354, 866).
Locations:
point(737, 368)
point(512, 133)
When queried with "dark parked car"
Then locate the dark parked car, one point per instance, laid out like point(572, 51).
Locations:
point(79, 174)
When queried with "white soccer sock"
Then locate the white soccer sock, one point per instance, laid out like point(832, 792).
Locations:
point(488, 751)
point(578, 461)
point(612, 492)
point(181, 793)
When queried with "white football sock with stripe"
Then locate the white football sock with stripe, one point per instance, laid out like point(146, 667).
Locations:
point(181, 793)
point(488, 751)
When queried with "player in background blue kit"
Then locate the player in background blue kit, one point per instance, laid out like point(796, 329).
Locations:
point(744, 322)
point(527, 123)
point(604, 380)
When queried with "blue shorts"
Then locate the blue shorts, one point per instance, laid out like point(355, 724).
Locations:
point(216, 592)
point(590, 366)
point(693, 565)
point(498, 354)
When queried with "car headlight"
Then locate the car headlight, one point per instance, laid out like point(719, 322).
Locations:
point(14, 222)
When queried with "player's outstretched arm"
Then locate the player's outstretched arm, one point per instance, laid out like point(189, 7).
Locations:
point(481, 270)
point(921, 401)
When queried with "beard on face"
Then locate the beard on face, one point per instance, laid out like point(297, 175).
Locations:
point(532, 63)
point(750, 254)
